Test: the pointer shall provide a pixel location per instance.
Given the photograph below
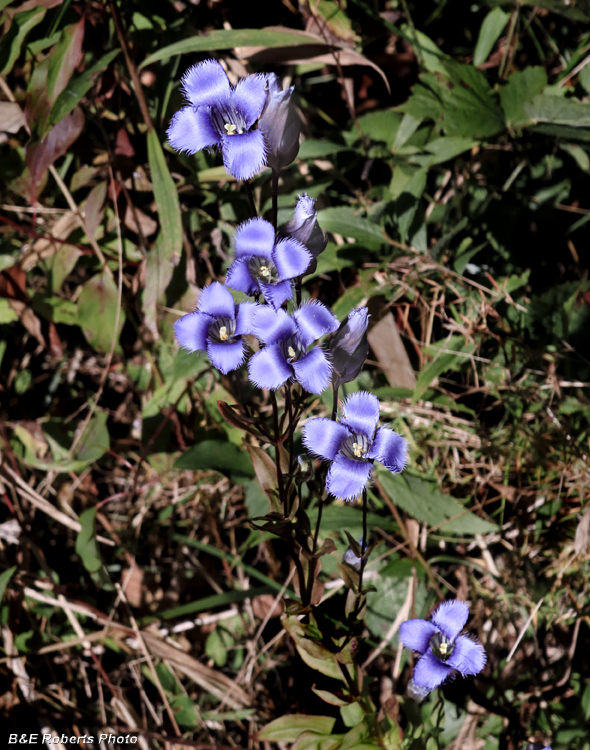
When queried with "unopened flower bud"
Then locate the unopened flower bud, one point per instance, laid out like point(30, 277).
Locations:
point(304, 228)
point(351, 558)
point(280, 125)
point(305, 473)
point(349, 347)
point(416, 692)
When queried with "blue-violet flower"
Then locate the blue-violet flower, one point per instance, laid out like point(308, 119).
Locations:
point(351, 445)
point(279, 122)
point(216, 327)
point(263, 265)
point(441, 647)
point(221, 115)
point(287, 338)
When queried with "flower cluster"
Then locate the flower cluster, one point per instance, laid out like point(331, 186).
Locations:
point(442, 650)
point(253, 123)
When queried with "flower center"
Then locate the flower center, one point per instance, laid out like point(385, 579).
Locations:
point(264, 270)
point(222, 330)
point(227, 120)
point(442, 647)
point(293, 349)
point(356, 447)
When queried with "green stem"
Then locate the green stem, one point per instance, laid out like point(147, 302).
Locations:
point(335, 390)
point(275, 198)
point(251, 200)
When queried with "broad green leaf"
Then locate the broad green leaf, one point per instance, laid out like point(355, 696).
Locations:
point(95, 441)
point(76, 89)
point(522, 87)
point(469, 106)
point(5, 577)
point(288, 728)
point(97, 312)
point(212, 454)
point(558, 111)
point(315, 741)
point(381, 126)
point(425, 502)
point(12, 41)
point(316, 149)
point(230, 38)
point(343, 220)
point(352, 714)
point(86, 544)
point(314, 654)
point(449, 354)
point(64, 58)
point(448, 147)
point(391, 592)
point(185, 711)
point(491, 28)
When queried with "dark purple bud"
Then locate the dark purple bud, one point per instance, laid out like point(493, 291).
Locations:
point(280, 125)
point(304, 228)
point(349, 347)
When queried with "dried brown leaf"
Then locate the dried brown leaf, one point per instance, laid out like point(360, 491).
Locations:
point(390, 352)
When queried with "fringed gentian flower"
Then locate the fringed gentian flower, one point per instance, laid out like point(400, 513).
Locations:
point(279, 122)
point(287, 339)
point(349, 347)
point(216, 327)
point(441, 647)
point(221, 115)
point(304, 228)
point(351, 445)
point(263, 265)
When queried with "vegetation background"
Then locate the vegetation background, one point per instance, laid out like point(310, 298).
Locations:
point(448, 145)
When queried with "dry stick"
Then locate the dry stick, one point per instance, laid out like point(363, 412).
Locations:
point(132, 69)
point(23, 489)
point(148, 658)
point(414, 552)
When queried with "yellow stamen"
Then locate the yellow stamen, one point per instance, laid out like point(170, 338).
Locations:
point(265, 271)
point(223, 333)
point(357, 450)
point(443, 648)
point(291, 352)
point(230, 128)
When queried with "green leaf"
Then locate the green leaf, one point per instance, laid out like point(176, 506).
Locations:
point(5, 577)
point(230, 38)
point(449, 354)
point(384, 604)
point(352, 714)
point(288, 728)
point(95, 441)
point(425, 502)
point(213, 454)
point(76, 89)
point(97, 312)
point(558, 111)
point(166, 196)
point(316, 149)
point(489, 33)
point(522, 87)
point(448, 147)
point(185, 711)
point(381, 126)
point(469, 107)
point(342, 220)
point(86, 544)
point(7, 314)
point(64, 58)
point(12, 41)
point(313, 653)
point(165, 254)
